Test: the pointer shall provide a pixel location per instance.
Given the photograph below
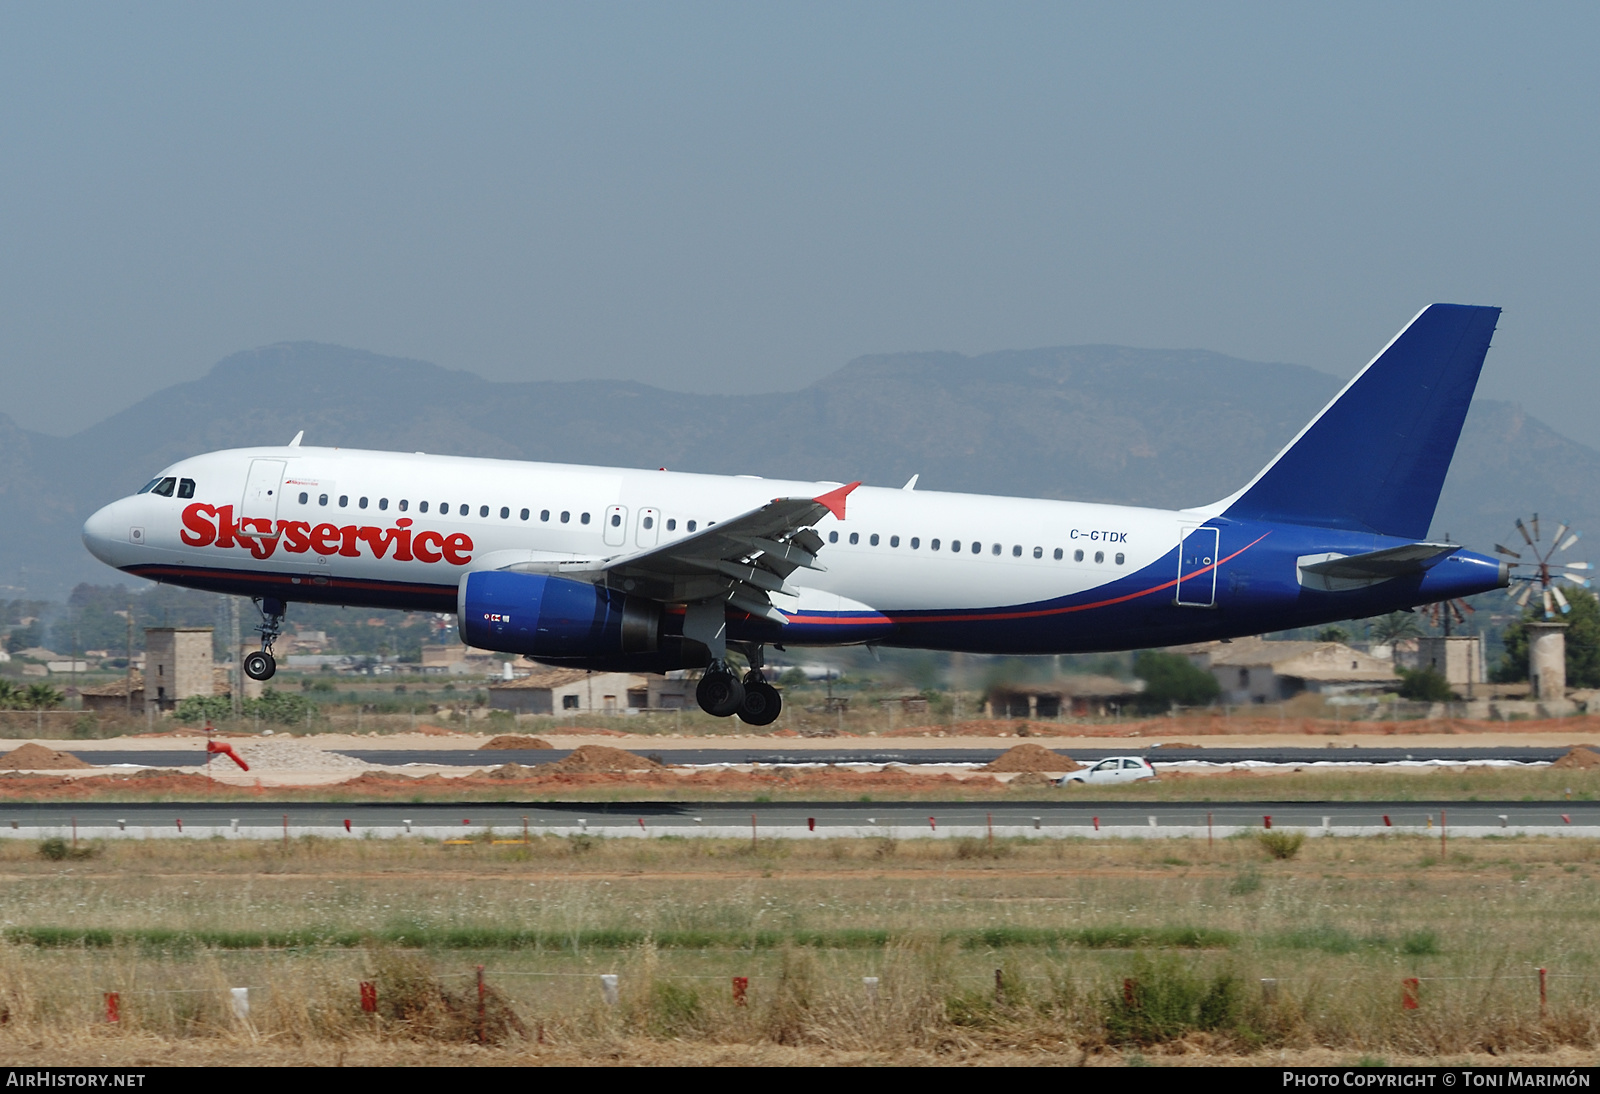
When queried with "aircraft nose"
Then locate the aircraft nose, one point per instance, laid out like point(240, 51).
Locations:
point(107, 529)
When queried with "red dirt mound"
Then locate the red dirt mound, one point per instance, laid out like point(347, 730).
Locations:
point(513, 740)
point(596, 760)
point(1582, 758)
point(380, 778)
point(32, 757)
point(15, 786)
point(1031, 758)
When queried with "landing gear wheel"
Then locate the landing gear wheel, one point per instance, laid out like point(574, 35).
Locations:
point(720, 693)
point(259, 666)
point(762, 704)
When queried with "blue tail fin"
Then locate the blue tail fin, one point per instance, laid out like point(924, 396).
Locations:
point(1375, 459)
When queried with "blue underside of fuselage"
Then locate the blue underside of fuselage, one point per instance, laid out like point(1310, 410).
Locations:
point(1256, 590)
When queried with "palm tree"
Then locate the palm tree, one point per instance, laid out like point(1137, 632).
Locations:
point(42, 697)
point(10, 695)
point(1392, 628)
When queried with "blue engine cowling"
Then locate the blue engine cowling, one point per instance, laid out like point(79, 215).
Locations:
point(553, 617)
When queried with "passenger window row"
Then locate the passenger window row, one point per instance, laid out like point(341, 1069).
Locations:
point(975, 547)
point(404, 505)
point(444, 509)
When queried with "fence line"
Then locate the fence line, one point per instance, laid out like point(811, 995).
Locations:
point(1411, 998)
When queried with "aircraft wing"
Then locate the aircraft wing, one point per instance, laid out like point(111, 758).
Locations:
point(1413, 558)
point(743, 560)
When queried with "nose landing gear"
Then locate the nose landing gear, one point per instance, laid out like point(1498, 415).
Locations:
point(261, 665)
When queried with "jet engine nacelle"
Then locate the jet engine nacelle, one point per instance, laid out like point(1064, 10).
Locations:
point(553, 617)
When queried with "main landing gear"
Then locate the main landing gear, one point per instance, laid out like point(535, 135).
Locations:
point(722, 694)
point(261, 665)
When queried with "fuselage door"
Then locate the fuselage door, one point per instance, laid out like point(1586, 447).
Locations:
point(1197, 567)
point(616, 526)
point(649, 527)
point(261, 490)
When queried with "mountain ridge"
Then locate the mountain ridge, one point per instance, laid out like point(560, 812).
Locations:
point(1168, 428)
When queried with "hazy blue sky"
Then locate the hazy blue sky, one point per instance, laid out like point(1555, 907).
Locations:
point(745, 196)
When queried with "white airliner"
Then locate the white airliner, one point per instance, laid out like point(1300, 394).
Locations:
point(653, 570)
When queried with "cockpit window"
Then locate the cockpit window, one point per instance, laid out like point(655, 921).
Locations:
point(161, 486)
point(185, 488)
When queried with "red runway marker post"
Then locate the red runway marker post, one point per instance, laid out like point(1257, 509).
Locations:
point(1266, 821)
point(1386, 822)
point(811, 824)
point(933, 824)
point(1097, 824)
point(114, 1003)
point(641, 824)
point(741, 985)
point(1410, 989)
point(369, 997)
point(347, 824)
point(1542, 997)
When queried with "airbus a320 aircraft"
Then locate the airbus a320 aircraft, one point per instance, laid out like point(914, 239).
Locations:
point(649, 571)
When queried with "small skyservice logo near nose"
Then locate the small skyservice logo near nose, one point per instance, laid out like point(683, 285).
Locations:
point(215, 526)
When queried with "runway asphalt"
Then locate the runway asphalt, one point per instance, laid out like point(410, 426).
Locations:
point(787, 818)
point(196, 755)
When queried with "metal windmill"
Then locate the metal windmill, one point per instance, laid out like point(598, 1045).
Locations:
point(1539, 556)
point(1448, 614)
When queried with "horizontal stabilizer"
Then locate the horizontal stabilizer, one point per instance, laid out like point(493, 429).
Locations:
point(1413, 558)
point(1375, 459)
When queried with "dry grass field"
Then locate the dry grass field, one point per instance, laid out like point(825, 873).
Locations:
point(1027, 951)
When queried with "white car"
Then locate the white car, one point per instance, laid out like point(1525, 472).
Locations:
point(1115, 769)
